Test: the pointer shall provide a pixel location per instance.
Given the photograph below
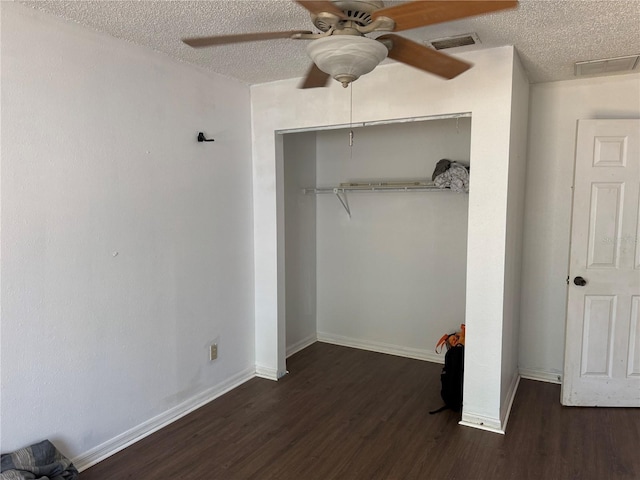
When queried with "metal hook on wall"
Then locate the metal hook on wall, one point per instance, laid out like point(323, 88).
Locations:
point(201, 138)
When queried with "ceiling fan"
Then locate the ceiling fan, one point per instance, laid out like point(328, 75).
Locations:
point(343, 51)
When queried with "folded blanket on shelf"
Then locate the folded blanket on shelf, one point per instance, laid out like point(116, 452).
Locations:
point(456, 177)
point(39, 461)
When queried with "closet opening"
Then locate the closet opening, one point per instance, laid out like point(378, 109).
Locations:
point(375, 257)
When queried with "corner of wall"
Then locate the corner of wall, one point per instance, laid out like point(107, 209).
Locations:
point(491, 424)
point(514, 237)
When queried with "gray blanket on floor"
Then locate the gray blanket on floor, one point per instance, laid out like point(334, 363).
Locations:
point(40, 461)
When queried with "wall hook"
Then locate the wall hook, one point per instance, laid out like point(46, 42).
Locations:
point(201, 138)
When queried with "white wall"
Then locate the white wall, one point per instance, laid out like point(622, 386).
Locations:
point(300, 239)
point(392, 277)
point(397, 91)
point(555, 109)
point(126, 245)
point(515, 227)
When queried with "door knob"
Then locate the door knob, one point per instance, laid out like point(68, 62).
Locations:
point(579, 281)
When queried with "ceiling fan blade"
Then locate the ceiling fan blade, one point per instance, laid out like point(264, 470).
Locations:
point(315, 78)
point(199, 42)
point(321, 6)
point(418, 13)
point(419, 56)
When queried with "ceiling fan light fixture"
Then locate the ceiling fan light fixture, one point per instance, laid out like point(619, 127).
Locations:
point(346, 57)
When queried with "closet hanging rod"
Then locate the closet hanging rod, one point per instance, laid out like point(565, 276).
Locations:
point(375, 188)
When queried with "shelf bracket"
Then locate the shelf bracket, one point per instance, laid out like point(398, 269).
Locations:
point(343, 200)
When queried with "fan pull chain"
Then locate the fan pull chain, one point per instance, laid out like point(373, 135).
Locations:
point(351, 120)
point(457, 123)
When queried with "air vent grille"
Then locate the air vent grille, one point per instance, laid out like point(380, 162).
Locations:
point(453, 42)
point(606, 65)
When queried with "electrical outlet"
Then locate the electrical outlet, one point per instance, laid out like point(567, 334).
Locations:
point(213, 351)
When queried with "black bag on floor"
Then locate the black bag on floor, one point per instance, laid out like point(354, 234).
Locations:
point(452, 378)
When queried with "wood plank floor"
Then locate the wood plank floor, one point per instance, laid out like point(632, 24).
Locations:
point(343, 413)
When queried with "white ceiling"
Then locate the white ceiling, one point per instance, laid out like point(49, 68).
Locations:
point(550, 35)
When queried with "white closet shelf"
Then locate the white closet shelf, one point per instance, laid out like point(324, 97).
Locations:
point(376, 187)
point(373, 187)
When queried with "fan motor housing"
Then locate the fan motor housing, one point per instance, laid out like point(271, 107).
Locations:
point(358, 11)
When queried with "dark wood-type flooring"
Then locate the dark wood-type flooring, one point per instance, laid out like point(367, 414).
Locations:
point(343, 413)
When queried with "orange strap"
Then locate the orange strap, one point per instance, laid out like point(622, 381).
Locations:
point(441, 342)
point(452, 339)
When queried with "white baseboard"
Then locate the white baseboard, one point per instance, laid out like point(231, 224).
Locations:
point(120, 442)
point(491, 424)
point(267, 372)
point(400, 351)
point(541, 375)
point(481, 422)
point(302, 344)
point(511, 395)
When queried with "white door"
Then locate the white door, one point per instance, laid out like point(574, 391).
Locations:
point(602, 349)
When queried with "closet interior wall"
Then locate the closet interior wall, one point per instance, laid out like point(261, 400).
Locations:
point(299, 151)
point(392, 277)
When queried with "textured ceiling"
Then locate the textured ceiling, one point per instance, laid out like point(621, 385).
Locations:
point(550, 35)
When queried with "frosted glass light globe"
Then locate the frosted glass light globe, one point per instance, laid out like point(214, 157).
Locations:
point(346, 57)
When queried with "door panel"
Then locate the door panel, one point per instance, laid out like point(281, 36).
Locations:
point(597, 334)
point(604, 224)
point(637, 239)
point(610, 151)
point(634, 339)
point(602, 350)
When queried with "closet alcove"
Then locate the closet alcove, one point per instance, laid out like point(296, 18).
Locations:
point(495, 93)
point(390, 276)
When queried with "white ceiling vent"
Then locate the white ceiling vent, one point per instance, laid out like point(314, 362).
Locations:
point(606, 65)
point(453, 42)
